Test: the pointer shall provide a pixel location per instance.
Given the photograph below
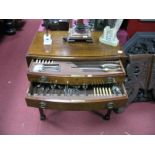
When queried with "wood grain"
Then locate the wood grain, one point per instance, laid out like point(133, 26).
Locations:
point(77, 50)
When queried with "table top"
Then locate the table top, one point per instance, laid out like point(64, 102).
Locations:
point(76, 50)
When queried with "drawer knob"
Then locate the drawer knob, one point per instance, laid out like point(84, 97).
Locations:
point(43, 79)
point(43, 105)
point(111, 80)
point(110, 105)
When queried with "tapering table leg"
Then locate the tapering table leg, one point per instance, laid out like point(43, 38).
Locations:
point(108, 114)
point(42, 115)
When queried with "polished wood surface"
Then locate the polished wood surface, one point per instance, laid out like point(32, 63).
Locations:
point(78, 50)
point(76, 75)
point(82, 102)
point(87, 105)
point(72, 80)
point(75, 102)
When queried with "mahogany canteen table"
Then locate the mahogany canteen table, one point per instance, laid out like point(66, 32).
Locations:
point(75, 76)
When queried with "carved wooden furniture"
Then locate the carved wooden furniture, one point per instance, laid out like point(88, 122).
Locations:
point(1, 27)
point(151, 86)
point(10, 26)
point(140, 81)
point(56, 24)
point(137, 83)
point(75, 76)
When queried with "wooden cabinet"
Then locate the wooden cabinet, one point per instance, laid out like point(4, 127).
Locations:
point(75, 76)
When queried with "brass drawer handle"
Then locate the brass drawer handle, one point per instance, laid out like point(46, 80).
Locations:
point(110, 105)
point(43, 105)
point(111, 79)
point(43, 79)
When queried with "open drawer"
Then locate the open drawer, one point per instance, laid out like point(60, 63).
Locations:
point(75, 72)
point(76, 97)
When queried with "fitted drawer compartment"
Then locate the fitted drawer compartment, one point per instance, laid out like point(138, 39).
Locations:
point(75, 72)
point(76, 97)
point(75, 76)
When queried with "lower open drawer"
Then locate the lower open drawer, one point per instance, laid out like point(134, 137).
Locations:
point(76, 97)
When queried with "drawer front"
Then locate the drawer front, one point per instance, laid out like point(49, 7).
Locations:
point(74, 79)
point(93, 98)
point(63, 72)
